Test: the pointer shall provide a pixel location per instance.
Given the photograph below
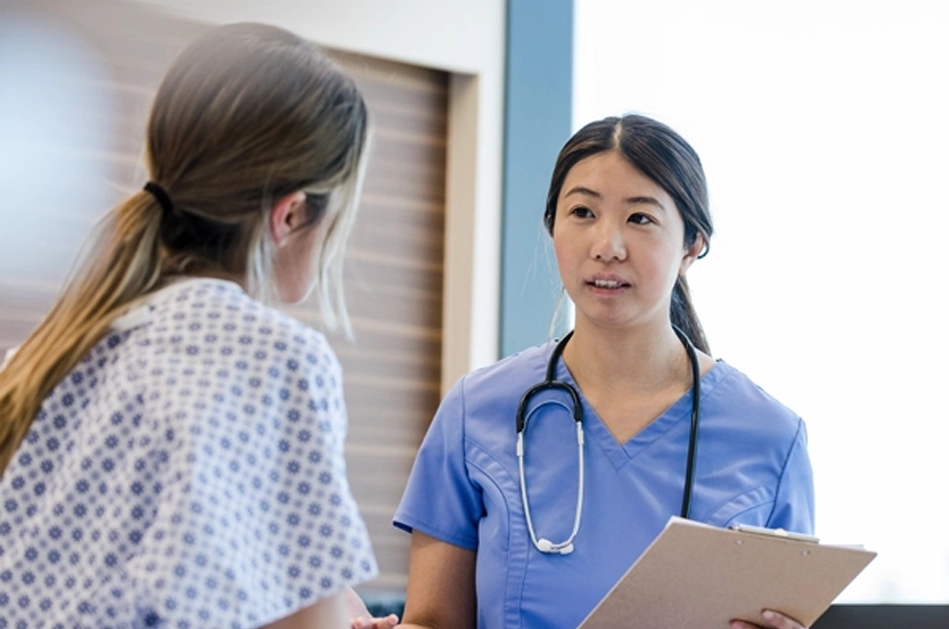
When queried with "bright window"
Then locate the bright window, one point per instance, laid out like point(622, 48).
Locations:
point(824, 130)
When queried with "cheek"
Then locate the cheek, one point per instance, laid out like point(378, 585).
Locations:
point(564, 253)
point(662, 262)
point(558, 250)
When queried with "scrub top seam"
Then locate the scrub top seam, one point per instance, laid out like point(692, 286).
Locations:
point(784, 466)
point(515, 575)
point(728, 522)
point(494, 481)
point(731, 499)
point(516, 564)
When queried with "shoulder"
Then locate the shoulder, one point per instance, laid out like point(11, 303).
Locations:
point(487, 397)
point(505, 380)
point(201, 305)
point(733, 394)
point(213, 329)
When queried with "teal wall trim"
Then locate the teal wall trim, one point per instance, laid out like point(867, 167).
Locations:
point(537, 119)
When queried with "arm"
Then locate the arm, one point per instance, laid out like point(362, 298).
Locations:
point(441, 592)
point(794, 499)
point(326, 613)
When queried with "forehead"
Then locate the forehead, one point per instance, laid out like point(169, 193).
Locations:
point(610, 173)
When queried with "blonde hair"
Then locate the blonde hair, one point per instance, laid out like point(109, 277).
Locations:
point(246, 114)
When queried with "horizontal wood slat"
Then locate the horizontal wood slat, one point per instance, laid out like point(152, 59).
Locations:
point(395, 274)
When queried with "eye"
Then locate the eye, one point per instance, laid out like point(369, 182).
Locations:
point(582, 212)
point(639, 218)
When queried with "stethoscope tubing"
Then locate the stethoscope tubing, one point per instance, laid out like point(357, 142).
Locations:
point(576, 409)
point(694, 426)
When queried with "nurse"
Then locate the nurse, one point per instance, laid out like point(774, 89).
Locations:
point(499, 541)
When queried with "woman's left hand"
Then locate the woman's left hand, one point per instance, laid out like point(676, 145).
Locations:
point(365, 622)
point(771, 619)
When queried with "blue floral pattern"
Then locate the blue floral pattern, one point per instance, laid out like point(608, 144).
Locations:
point(187, 473)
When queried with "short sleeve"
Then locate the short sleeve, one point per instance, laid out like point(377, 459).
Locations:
point(440, 498)
point(257, 520)
point(794, 500)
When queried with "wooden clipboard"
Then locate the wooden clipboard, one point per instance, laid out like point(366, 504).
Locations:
point(697, 575)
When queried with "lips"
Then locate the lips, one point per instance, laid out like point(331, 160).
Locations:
point(611, 282)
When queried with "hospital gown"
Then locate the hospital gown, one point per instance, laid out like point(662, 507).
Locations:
point(187, 473)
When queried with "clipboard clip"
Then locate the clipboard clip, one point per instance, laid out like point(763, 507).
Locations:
point(758, 530)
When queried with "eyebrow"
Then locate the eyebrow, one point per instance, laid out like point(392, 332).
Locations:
point(638, 200)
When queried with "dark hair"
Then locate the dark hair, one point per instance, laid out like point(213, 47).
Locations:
point(663, 156)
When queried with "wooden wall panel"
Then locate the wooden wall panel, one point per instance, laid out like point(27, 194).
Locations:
point(394, 291)
point(394, 263)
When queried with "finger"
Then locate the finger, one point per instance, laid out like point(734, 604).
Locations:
point(780, 621)
point(361, 622)
point(388, 622)
point(740, 624)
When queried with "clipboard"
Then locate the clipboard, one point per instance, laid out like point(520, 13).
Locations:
point(697, 575)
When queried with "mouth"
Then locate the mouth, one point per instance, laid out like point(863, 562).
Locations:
point(608, 284)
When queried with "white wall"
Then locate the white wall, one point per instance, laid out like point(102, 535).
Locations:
point(824, 132)
point(466, 38)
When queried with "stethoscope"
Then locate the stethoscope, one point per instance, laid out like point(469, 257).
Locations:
point(549, 384)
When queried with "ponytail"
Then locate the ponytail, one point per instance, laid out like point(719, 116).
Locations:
point(684, 317)
point(123, 265)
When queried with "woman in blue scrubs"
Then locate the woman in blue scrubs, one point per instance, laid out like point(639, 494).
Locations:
point(628, 213)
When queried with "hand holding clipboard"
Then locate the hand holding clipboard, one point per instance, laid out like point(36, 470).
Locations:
point(696, 575)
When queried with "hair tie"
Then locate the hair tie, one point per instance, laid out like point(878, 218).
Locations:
point(161, 196)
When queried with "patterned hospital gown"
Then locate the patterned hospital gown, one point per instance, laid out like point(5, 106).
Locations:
point(188, 473)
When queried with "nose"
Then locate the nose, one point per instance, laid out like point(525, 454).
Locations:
point(609, 245)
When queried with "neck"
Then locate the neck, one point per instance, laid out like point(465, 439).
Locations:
point(630, 360)
point(170, 279)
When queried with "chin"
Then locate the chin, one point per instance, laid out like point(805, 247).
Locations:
point(613, 320)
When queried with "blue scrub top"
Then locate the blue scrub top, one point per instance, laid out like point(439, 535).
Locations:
point(752, 468)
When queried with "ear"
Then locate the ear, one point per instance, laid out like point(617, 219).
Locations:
point(692, 253)
point(287, 213)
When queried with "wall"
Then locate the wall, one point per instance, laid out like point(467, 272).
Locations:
point(822, 129)
point(538, 106)
point(103, 136)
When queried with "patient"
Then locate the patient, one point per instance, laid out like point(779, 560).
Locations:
point(171, 447)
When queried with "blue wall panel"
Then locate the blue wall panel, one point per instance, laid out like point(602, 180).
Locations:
point(538, 109)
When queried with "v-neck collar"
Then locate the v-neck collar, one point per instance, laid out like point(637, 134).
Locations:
point(622, 453)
